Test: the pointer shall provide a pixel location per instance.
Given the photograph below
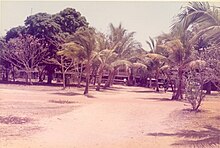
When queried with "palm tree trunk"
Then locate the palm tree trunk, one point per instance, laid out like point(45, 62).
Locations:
point(80, 76)
point(99, 80)
point(86, 91)
point(178, 93)
point(107, 83)
point(113, 77)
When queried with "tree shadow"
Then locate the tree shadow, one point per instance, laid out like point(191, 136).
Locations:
point(66, 93)
point(156, 99)
point(217, 117)
point(208, 137)
point(90, 96)
point(144, 91)
point(113, 88)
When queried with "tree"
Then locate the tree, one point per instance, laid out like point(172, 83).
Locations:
point(25, 52)
point(70, 20)
point(152, 44)
point(179, 55)
point(53, 30)
point(203, 19)
point(204, 23)
point(67, 59)
point(5, 64)
point(123, 43)
point(84, 40)
point(15, 32)
point(198, 74)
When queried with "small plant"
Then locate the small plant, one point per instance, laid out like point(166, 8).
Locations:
point(197, 76)
point(194, 93)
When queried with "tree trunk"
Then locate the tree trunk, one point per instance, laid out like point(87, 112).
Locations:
point(63, 73)
point(6, 74)
point(209, 87)
point(80, 76)
point(50, 78)
point(99, 80)
point(13, 73)
point(64, 80)
point(150, 82)
point(107, 83)
point(41, 75)
point(113, 77)
point(131, 78)
point(86, 91)
point(177, 95)
point(28, 79)
point(95, 77)
point(157, 77)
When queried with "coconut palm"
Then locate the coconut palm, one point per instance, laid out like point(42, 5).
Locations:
point(204, 19)
point(152, 44)
point(179, 57)
point(123, 43)
point(84, 41)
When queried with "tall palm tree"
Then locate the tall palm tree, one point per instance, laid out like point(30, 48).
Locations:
point(203, 18)
point(179, 57)
point(122, 42)
point(203, 21)
point(84, 40)
point(152, 44)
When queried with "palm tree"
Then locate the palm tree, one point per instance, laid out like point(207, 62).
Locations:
point(84, 41)
point(204, 19)
point(179, 57)
point(123, 43)
point(152, 44)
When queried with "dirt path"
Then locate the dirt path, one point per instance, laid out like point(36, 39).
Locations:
point(112, 118)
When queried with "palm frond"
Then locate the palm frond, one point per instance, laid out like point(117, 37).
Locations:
point(121, 63)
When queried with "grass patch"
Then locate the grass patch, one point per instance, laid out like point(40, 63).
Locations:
point(62, 101)
point(14, 120)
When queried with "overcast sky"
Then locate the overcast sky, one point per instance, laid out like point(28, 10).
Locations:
point(146, 18)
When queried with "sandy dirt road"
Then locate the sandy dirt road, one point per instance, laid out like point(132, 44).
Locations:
point(121, 118)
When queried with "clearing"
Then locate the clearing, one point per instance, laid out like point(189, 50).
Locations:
point(120, 117)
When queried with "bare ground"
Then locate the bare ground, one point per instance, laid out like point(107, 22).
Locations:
point(121, 117)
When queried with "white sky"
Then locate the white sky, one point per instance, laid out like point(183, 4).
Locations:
point(146, 18)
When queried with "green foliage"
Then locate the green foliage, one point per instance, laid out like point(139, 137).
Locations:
point(70, 20)
point(15, 32)
point(42, 25)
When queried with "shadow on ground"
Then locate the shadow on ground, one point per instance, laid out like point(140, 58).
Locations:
point(209, 137)
point(156, 99)
point(66, 93)
point(144, 91)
